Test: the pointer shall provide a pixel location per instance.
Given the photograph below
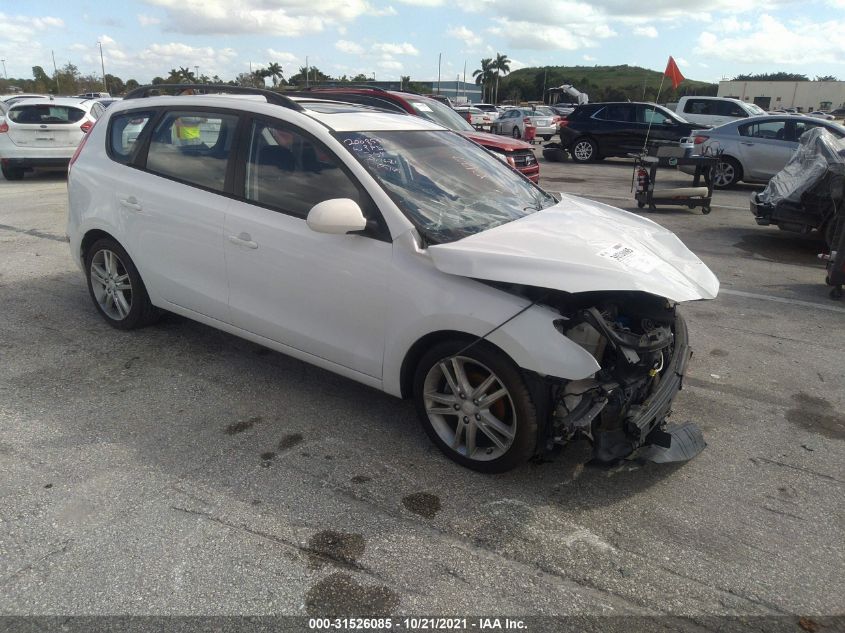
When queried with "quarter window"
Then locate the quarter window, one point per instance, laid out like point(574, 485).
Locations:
point(287, 171)
point(124, 130)
point(616, 112)
point(193, 147)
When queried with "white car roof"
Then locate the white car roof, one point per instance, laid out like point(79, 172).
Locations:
point(84, 104)
point(337, 117)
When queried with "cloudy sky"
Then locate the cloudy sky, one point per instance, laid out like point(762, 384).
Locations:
point(145, 38)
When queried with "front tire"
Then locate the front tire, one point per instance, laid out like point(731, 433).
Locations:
point(475, 406)
point(12, 173)
point(515, 132)
point(726, 173)
point(116, 287)
point(584, 150)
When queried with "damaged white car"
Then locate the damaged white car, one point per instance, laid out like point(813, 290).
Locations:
point(399, 254)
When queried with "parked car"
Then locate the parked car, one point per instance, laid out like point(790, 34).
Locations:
point(513, 122)
point(517, 154)
point(821, 114)
point(13, 98)
point(489, 109)
point(43, 134)
point(555, 119)
point(713, 111)
point(475, 117)
point(754, 150)
point(838, 113)
point(392, 251)
point(597, 130)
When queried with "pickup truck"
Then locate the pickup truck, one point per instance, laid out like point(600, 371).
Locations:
point(715, 111)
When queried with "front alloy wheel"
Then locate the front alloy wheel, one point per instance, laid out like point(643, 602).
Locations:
point(475, 406)
point(111, 285)
point(726, 173)
point(583, 150)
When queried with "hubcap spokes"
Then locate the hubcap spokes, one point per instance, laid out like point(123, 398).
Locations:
point(583, 151)
point(111, 285)
point(470, 408)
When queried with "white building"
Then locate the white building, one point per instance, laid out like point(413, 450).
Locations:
point(805, 96)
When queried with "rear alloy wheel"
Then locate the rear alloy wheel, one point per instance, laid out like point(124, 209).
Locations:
point(475, 406)
point(12, 173)
point(515, 133)
point(584, 150)
point(726, 173)
point(116, 287)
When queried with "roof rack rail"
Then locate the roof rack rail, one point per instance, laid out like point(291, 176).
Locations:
point(272, 97)
point(342, 86)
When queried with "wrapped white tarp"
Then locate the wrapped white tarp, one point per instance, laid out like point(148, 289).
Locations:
point(820, 154)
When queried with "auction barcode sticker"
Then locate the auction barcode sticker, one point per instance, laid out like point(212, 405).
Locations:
point(630, 257)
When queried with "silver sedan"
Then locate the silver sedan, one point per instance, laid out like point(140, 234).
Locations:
point(756, 148)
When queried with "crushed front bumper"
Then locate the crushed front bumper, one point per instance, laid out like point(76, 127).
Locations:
point(642, 423)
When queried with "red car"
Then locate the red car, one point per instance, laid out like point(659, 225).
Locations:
point(515, 153)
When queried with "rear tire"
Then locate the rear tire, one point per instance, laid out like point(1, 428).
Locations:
point(727, 173)
point(584, 150)
point(455, 394)
point(12, 173)
point(116, 288)
point(547, 138)
point(516, 133)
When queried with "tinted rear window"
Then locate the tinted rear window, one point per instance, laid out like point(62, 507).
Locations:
point(45, 113)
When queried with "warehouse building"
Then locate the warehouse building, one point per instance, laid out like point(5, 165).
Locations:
point(804, 96)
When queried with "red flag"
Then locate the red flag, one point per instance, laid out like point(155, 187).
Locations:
point(673, 73)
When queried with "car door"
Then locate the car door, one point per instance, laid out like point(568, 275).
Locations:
point(616, 131)
point(173, 205)
point(765, 147)
point(652, 122)
point(317, 293)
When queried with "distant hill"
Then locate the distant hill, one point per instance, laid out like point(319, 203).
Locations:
point(602, 83)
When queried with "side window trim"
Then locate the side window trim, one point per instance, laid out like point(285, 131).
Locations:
point(139, 151)
point(239, 174)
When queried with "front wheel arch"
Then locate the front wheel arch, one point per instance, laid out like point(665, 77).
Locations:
point(422, 345)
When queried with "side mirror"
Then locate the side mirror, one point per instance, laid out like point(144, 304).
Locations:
point(668, 122)
point(337, 216)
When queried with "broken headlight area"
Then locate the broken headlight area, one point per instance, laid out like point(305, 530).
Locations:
point(640, 344)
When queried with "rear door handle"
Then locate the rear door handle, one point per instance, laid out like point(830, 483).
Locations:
point(130, 203)
point(244, 239)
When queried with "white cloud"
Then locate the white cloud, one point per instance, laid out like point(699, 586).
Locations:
point(773, 42)
point(148, 20)
point(465, 35)
point(382, 12)
point(289, 18)
point(424, 3)
point(645, 31)
point(390, 64)
point(396, 49)
point(529, 35)
point(351, 48)
point(23, 28)
point(589, 58)
point(282, 57)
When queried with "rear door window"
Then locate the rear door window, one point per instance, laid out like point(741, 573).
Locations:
point(124, 130)
point(45, 113)
point(773, 130)
point(193, 147)
point(616, 112)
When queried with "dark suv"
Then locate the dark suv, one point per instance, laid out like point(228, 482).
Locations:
point(518, 154)
point(597, 130)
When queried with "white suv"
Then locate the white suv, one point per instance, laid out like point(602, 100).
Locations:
point(396, 253)
point(43, 133)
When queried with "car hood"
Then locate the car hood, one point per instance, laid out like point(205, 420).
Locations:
point(579, 246)
point(494, 140)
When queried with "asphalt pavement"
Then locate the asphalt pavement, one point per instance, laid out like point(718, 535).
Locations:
point(178, 470)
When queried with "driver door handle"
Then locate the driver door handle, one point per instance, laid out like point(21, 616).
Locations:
point(244, 239)
point(130, 203)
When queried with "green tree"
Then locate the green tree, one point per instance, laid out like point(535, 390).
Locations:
point(779, 76)
point(484, 75)
point(275, 73)
point(500, 64)
point(131, 84)
point(115, 84)
point(825, 78)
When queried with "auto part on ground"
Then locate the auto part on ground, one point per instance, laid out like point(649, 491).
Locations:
point(640, 343)
point(804, 195)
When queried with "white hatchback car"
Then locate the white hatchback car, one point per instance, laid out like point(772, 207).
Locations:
point(44, 133)
point(396, 253)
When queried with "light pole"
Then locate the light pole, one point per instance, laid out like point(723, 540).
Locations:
point(374, 76)
point(5, 74)
point(197, 74)
point(103, 66)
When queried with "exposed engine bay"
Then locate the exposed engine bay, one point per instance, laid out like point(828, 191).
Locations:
point(640, 343)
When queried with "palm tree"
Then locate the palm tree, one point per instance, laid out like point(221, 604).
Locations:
point(187, 75)
point(503, 64)
point(483, 75)
point(275, 72)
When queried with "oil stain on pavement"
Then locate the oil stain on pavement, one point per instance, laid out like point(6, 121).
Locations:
point(817, 415)
point(242, 425)
point(290, 440)
point(336, 547)
point(423, 503)
point(341, 594)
